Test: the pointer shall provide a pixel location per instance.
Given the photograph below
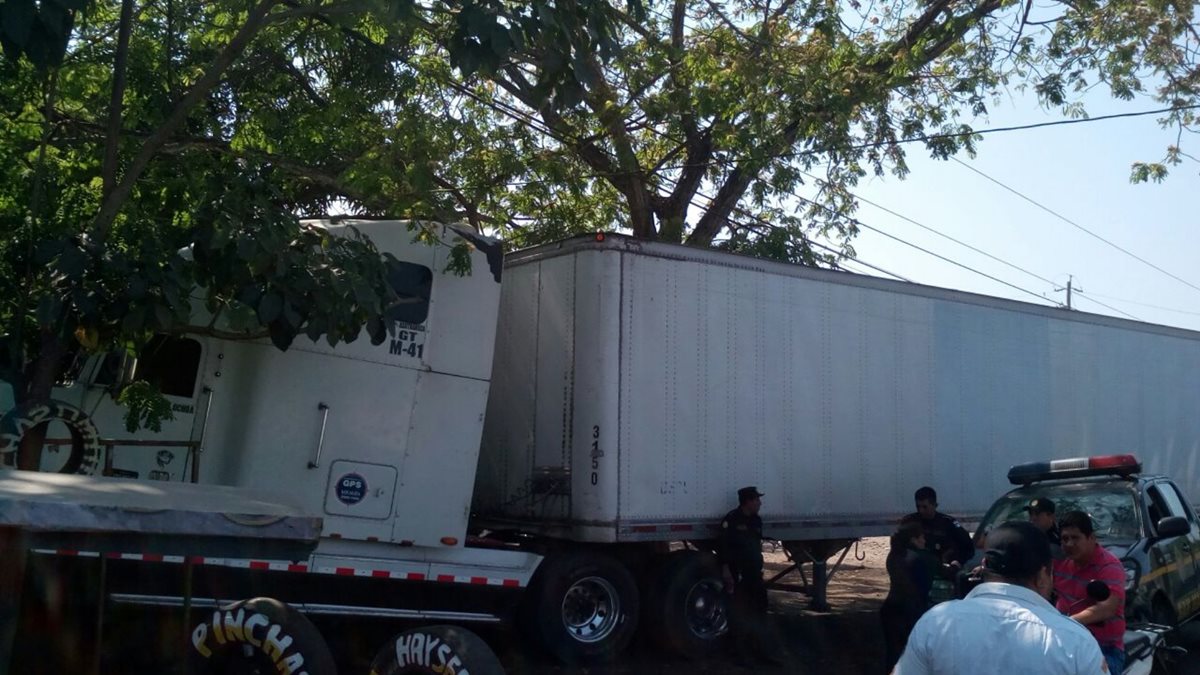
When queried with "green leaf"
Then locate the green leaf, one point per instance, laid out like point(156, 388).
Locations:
point(269, 307)
point(377, 329)
point(281, 335)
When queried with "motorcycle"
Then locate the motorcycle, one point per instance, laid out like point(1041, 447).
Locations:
point(1146, 648)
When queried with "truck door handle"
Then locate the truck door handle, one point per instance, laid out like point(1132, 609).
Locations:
point(316, 461)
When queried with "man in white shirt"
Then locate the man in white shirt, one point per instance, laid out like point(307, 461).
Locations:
point(1005, 625)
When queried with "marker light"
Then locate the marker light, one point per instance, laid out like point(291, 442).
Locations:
point(599, 236)
point(1076, 467)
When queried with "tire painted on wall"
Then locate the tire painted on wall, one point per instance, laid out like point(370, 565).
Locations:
point(87, 451)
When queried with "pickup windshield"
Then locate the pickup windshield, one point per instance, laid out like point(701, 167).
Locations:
point(1112, 506)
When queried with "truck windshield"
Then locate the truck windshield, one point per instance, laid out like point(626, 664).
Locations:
point(1112, 507)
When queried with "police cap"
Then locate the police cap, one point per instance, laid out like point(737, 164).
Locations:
point(747, 493)
point(1040, 505)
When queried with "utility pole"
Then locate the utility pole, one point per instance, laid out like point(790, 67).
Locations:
point(1069, 288)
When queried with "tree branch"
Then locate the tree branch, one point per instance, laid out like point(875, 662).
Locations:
point(602, 99)
point(116, 102)
point(716, 8)
point(116, 199)
point(589, 152)
point(473, 216)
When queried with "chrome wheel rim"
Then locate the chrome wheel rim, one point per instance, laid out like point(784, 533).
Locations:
point(591, 609)
point(705, 610)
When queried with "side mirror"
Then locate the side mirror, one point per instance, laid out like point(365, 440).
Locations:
point(1097, 590)
point(1172, 526)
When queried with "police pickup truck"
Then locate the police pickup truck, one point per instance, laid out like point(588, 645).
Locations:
point(1145, 521)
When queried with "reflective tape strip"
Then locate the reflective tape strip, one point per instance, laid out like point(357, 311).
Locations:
point(285, 566)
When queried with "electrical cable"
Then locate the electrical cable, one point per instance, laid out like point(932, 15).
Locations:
point(1077, 225)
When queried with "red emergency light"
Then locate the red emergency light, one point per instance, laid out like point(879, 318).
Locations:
point(1076, 467)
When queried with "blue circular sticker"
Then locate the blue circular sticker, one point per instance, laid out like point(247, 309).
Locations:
point(351, 489)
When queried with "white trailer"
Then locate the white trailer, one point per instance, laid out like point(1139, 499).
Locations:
point(638, 384)
point(635, 387)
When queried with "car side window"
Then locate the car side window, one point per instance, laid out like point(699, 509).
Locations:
point(1174, 503)
point(1156, 505)
point(1187, 512)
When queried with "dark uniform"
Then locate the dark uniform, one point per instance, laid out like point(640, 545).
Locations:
point(1055, 536)
point(741, 550)
point(945, 537)
point(909, 573)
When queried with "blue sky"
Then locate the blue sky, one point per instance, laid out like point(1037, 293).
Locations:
point(1080, 171)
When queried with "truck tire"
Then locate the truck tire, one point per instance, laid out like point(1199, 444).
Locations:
point(87, 452)
point(259, 636)
point(435, 650)
point(687, 607)
point(582, 608)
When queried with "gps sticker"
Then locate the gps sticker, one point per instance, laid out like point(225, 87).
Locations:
point(351, 489)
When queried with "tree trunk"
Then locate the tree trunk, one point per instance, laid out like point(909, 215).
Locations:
point(42, 374)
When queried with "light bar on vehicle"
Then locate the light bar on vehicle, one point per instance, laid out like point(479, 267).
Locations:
point(1076, 467)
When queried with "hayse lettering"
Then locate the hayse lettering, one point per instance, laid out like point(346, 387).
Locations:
point(421, 649)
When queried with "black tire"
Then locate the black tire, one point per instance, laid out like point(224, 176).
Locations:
point(687, 608)
point(258, 637)
point(582, 608)
point(435, 650)
point(87, 452)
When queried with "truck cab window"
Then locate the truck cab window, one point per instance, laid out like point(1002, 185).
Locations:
point(71, 366)
point(412, 283)
point(170, 363)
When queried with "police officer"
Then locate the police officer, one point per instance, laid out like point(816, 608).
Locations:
point(943, 535)
point(740, 555)
point(1041, 513)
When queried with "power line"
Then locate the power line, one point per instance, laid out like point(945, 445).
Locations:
point(1140, 304)
point(1077, 225)
point(1093, 300)
point(949, 260)
point(946, 236)
point(857, 260)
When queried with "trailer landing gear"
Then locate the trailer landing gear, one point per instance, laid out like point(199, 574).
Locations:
point(817, 553)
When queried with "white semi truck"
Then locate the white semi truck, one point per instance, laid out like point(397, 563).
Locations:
point(536, 445)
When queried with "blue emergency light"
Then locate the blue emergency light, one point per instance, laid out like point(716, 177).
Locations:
point(1076, 467)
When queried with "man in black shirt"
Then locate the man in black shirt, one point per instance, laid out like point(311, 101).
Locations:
point(740, 555)
point(1041, 513)
point(943, 535)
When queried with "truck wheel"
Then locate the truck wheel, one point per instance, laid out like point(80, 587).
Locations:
point(258, 637)
point(86, 448)
point(435, 650)
point(687, 606)
point(582, 608)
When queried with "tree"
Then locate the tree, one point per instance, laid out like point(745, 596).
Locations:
point(157, 156)
point(744, 123)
